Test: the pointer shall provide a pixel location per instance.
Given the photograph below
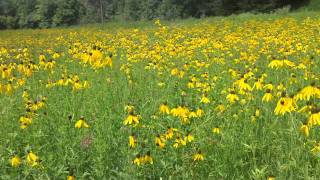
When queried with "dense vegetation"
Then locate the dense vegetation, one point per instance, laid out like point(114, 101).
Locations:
point(52, 13)
point(218, 98)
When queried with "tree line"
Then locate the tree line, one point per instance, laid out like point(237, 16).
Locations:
point(52, 13)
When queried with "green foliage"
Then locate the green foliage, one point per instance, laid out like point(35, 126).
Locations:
point(7, 22)
point(51, 13)
point(67, 13)
point(25, 13)
point(131, 9)
point(314, 5)
point(45, 10)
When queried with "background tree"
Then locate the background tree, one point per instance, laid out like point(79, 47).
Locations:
point(25, 13)
point(66, 13)
point(44, 13)
point(51, 13)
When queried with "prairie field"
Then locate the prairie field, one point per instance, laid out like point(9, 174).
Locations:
point(217, 98)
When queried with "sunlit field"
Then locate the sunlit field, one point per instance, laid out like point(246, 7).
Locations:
point(218, 98)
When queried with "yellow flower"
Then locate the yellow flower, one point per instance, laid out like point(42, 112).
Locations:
point(232, 97)
point(189, 137)
point(160, 141)
point(157, 22)
point(164, 109)
point(141, 160)
point(205, 100)
point(198, 156)
point(108, 61)
point(42, 58)
point(284, 105)
point(32, 159)
point(180, 111)
point(304, 130)
point(138, 160)
point(192, 114)
point(314, 118)
point(131, 119)
point(25, 121)
point(15, 161)
point(275, 64)
point(81, 123)
point(170, 132)
point(179, 142)
point(258, 85)
point(220, 108)
point(147, 158)
point(191, 84)
point(132, 141)
point(268, 86)
point(267, 96)
point(280, 63)
point(271, 178)
point(71, 177)
point(199, 112)
point(216, 130)
point(243, 85)
point(307, 92)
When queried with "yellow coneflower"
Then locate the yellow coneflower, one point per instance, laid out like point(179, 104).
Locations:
point(131, 119)
point(268, 86)
point(192, 114)
point(198, 156)
point(189, 137)
point(32, 159)
point(258, 85)
point(280, 63)
point(108, 61)
point(179, 142)
point(160, 141)
point(199, 112)
point(220, 108)
point(147, 158)
point(15, 161)
point(71, 177)
point(314, 118)
point(81, 123)
point(275, 64)
point(132, 141)
point(25, 121)
point(232, 97)
point(204, 99)
point(304, 129)
point(138, 160)
point(307, 92)
point(267, 96)
point(164, 109)
point(285, 105)
point(170, 132)
point(216, 130)
point(191, 84)
point(180, 111)
point(243, 85)
point(271, 177)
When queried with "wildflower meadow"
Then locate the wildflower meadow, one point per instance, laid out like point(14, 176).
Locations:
point(217, 98)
